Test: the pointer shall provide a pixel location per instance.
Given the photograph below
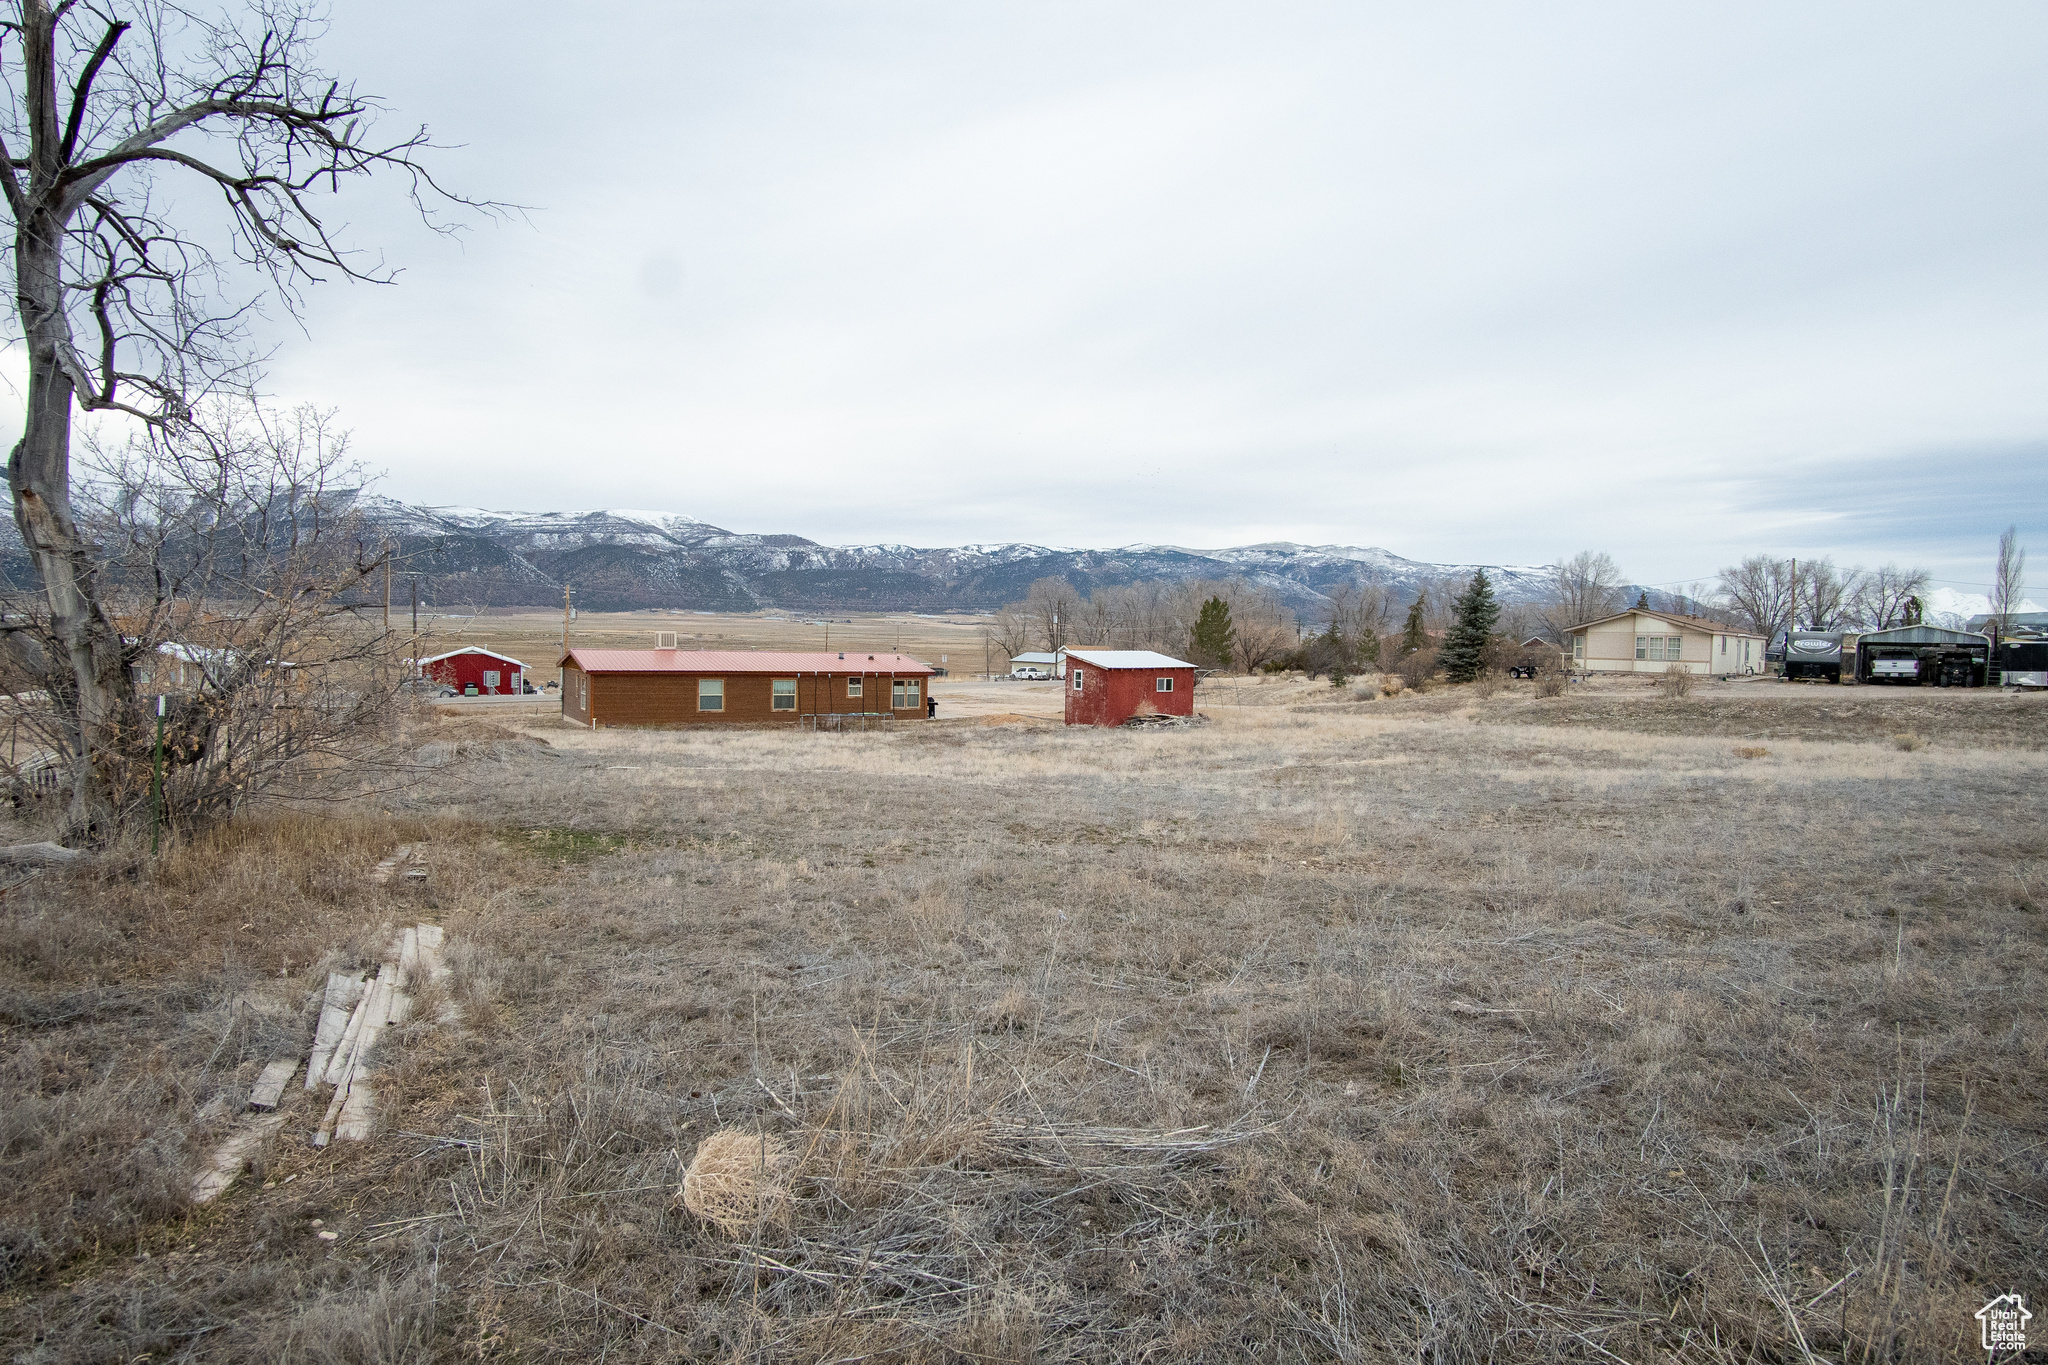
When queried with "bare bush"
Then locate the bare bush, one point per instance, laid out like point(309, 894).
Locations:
point(1552, 681)
point(1675, 681)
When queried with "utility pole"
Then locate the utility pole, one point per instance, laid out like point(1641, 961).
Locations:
point(565, 618)
point(156, 783)
point(387, 588)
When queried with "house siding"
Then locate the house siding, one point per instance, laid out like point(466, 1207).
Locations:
point(671, 698)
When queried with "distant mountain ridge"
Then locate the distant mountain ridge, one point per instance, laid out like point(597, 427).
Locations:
point(627, 559)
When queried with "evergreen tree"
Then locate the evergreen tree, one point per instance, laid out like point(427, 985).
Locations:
point(1214, 636)
point(1465, 646)
point(1413, 636)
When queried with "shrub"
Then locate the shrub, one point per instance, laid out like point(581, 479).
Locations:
point(1909, 742)
point(1551, 682)
point(1751, 751)
point(1675, 682)
point(1417, 669)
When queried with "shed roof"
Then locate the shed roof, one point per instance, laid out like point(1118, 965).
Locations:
point(740, 661)
point(1036, 657)
point(1126, 658)
point(1922, 635)
point(470, 649)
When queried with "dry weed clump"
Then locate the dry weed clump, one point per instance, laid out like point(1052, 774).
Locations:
point(1908, 742)
point(1751, 751)
point(1675, 681)
point(738, 1180)
point(1552, 682)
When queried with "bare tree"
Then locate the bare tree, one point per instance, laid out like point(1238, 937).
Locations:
point(119, 305)
point(2008, 578)
point(245, 584)
point(1009, 630)
point(1583, 588)
point(1883, 594)
point(1825, 596)
point(1762, 592)
point(1052, 605)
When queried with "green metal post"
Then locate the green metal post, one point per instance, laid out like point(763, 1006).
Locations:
point(156, 785)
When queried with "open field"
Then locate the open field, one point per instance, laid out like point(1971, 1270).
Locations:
point(1453, 1027)
point(535, 637)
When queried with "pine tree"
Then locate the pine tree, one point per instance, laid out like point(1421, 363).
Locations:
point(1413, 636)
point(1214, 636)
point(1465, 646)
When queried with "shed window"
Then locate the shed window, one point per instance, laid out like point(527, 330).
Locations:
point(853, 687)
point(1077, 680)
point(1162, 685)
point(903, 695)
point(710, 694)
point(785, 694)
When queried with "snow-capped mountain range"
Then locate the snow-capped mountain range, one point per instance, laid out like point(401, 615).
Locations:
point(621, 559)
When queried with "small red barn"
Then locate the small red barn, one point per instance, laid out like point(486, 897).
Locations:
point(490, 673)
point(1109, 686)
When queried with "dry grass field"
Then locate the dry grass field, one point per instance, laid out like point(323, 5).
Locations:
point(535, 637)
point(1459, 1027)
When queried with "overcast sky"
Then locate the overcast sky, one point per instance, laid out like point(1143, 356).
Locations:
point(1472, 283)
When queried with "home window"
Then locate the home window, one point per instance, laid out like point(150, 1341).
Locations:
point(1674, 647)
point(903, 695)
point(1077, 680)
point(853, 687)
point(1643, 646)
point(785, 695)
point(1578, 646)
point(1724, 644)
point(710, 694)
point(1162, 685)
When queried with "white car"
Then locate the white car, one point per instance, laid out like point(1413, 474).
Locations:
point(1030, 674)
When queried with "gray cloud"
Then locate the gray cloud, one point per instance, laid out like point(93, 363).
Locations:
point(1470, 282)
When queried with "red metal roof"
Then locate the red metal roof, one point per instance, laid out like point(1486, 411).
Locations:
point(741, 661)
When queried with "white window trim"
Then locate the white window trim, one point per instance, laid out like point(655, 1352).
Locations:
point(853, 687)
point(1162, 684)
point(703, 696)
point(776, 694)
point(1078, 676)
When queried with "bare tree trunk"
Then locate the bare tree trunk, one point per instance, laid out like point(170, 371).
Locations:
point(39, 477)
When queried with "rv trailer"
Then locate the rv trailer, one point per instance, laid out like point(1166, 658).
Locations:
point(1814, 654)
point(2023, 661)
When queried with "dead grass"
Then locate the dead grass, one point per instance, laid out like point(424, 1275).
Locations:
point(1441, 1027)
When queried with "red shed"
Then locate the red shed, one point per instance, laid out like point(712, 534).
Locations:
point(490, 673)
point(1109, 686)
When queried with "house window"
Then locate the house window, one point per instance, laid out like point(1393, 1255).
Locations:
point(853, 687)
point(785, 695)
point(1724, 644)
point(903, 695)
point(710, 694)
point(1674, 647)
point(1077, 680)
point(1643, 646)
point(1578, 646)
point(1162, 685)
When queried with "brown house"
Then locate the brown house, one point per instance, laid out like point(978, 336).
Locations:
point(718, 686)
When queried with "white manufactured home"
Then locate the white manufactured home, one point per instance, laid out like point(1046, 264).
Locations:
point(1645, 641)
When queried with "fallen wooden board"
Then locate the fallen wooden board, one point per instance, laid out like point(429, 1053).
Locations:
point(382, 873)
point(231, 1156)
point(269, 1087)
point(344, 989)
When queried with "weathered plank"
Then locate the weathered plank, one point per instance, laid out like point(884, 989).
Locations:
point(269, 1087)
point(383, 872)
point(344, 989)
point(228, 1159)
point(43, 855)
